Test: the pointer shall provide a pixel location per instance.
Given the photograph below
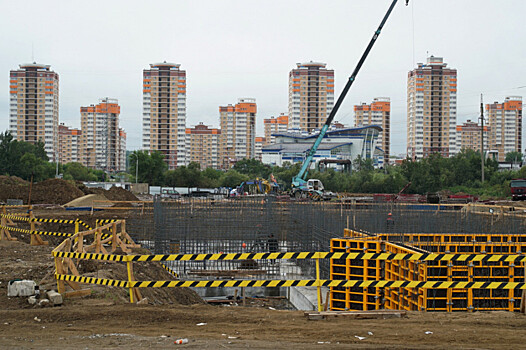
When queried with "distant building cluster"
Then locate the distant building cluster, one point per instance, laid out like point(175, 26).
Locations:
point(100, 143)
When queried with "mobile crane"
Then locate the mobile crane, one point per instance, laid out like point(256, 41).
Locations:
point(314, 188)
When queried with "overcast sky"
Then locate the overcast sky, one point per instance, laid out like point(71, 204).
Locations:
point(233, 49)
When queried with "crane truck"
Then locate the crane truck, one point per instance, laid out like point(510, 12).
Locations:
point(313, 188)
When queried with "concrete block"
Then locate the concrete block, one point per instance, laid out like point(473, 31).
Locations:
point(44, 302)
point(54, 297)
point(32, 300)
point(23, 288)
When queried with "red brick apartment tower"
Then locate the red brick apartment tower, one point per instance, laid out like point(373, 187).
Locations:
point(505, 121)
point(164, 112)
point(238, 132)
point(311, 96)
point(431, 109)
point(33, 106)
point(377, 113)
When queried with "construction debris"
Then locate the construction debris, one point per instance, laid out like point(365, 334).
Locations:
point(54, 297)
point(21, 288)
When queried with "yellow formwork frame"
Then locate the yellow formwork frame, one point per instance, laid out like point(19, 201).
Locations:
point(427, 299)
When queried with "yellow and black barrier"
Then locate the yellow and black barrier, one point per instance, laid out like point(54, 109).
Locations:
point(105, 221)
point(169, 270)
point(54, 221)
point(300, 255)
point(293, 283)
point(33, 232)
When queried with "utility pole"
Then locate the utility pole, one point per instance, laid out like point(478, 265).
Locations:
point(137, 169)
point(482, 136)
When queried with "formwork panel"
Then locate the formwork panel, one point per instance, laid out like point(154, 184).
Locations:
point(452, 299)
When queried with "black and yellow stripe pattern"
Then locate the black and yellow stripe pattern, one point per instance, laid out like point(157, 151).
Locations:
point(311, 255)
point(54, 221)
point(294, 283)
point(44, 233)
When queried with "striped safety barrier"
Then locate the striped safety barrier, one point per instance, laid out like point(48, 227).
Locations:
point(294, 283)
point(302, 255)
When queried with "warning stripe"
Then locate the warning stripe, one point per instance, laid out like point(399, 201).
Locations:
point(295, 283)
point(91, 256)
point(56, 221)
point(44, 233)
point(170, 271)
point(105, 221)
point(14, 217)
point(317, 255)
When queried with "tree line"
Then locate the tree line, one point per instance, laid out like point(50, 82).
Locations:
point(461, 173)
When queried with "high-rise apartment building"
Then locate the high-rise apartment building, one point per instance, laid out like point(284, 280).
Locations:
point(259, 143)
point(505, 121)
point(431, 109)
point(469, 136)
point(274, 126)
point(33, 106)
point(164, 112)
point(238, 132)
point(202, 146)
point(311, 96)
point(122, 150)
point(101, 136)
point(68, 144)
point(377, 113)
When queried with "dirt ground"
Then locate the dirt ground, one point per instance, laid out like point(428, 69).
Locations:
point(92, 324)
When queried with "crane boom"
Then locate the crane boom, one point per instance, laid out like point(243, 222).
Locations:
point(299, 179)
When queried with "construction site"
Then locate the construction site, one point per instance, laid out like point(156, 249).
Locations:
point(346, 267)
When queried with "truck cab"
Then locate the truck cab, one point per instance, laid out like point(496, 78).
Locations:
point(518, 189)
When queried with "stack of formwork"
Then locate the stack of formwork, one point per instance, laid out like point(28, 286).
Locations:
point(451, 299)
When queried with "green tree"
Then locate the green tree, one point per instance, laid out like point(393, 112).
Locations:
point(233, 178)
point(23, 159)
point(78, 172)
point(253, 168)
point(151, 169)
point(514, 157)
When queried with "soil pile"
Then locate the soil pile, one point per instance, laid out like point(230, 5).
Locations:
point(113, 194)
point(51, 191)
point(23, 261)
point(55, 191)
point(119, 194)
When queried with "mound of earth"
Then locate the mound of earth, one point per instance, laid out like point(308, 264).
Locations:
point(23, 261)
point(119, 194)
point(113, 194)
point(51, 191)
